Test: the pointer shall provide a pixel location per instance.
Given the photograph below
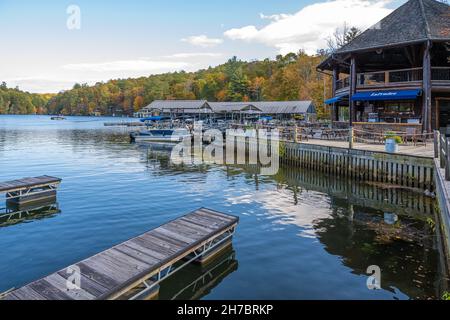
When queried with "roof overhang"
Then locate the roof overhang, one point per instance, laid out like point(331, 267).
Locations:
point(387, 95)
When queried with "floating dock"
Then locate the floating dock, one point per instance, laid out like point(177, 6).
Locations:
point(28, 190)
point(142, 262)
point(124, 124)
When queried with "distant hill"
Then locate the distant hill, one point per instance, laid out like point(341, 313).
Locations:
point(15, 101)
point(289, 77)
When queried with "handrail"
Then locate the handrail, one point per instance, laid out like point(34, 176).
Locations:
point(442, 152)
point(395, 70)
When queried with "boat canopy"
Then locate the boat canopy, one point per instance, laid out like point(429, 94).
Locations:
point(155, 118)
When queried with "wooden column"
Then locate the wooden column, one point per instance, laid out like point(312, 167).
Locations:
point(335, 113)
point(352, 90)
point(426, 110)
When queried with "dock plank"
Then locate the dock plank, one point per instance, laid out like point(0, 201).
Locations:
point(113, 272)
point(61, 284)
point(30, 182)
point(87, 284)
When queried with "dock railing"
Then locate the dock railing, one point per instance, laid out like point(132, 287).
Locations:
point(442, 151)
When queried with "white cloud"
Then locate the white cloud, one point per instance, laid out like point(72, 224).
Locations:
point(127, 65)
point(194, 55)
point(309, 28)
point(45, 84)
point(202, 41)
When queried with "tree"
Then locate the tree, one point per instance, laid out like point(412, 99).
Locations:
point(341, 37)
point(288, 77)
point(138, 103)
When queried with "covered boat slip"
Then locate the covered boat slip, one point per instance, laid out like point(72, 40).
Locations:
point(30, 189)
point(137, 265)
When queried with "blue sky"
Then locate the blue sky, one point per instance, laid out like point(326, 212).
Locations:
point(137, 38)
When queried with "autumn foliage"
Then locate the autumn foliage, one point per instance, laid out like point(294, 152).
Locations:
point(289, 77)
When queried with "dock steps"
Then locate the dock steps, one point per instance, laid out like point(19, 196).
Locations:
point(147, 259)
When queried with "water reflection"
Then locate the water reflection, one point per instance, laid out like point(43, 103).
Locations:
point(14, 213)
point(325, 231)
point(361, 223)
point(197, 281)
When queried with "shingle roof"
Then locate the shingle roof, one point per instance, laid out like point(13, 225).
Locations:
point(177, 104)
point(267, 107)
point(228, 106)
point(415, 21)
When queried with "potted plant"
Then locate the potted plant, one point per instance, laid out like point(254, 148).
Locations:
point(392, 141)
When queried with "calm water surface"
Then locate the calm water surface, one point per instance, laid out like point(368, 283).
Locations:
point(301, 236)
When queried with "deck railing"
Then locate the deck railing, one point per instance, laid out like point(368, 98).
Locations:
point(343, 83)
point(383, 78)
point(440, 74)
point(392, 77)
point(442, 152)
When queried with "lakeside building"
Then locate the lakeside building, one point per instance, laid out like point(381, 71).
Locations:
point(396, 74)
point(202, 109)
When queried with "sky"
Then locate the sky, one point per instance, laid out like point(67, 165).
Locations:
point(48, 46)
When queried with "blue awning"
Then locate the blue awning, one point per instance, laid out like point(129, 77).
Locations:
point(387, 95)
point(156, 118)
point(335, 99)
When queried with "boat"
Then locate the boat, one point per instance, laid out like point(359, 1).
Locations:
point(58, 118)
point(161, 135)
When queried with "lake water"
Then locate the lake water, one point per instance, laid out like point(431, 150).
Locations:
point(302, 235)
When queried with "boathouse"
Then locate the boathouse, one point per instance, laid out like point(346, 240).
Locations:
point(282, 110)
point(201, 109)
point(396, 74)
point(176, 109)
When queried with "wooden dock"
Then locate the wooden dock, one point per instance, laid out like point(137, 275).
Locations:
point(124, 124)
point(30, 189)
point(142, 262)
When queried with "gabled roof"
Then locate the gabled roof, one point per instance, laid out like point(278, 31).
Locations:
point(415, 21)
point(228, 106)
point(266, 107)
point(287, 107)
point(178, 104)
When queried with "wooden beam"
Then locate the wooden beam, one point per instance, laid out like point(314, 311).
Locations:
point(352, 89)
point(334, 113)
point(426, 111)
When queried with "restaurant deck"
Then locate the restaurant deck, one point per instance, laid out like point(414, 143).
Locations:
point(143, 261)
point(412, 150)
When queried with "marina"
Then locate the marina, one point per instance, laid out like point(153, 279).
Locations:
point(166, 172)
point(306, 214)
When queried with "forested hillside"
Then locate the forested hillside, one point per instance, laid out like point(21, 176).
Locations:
point(289, 77)
point(14, 101)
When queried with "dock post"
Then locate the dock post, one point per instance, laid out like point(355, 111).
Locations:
point(351, 138)
point(436, 143)
point(442, 149)
point(447, 161)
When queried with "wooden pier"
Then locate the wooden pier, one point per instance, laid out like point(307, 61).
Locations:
point(142, 262)
point(365, 165)
point(124, 124)
point(28, 190)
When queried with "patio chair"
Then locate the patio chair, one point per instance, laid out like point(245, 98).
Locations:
point(411, 135)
